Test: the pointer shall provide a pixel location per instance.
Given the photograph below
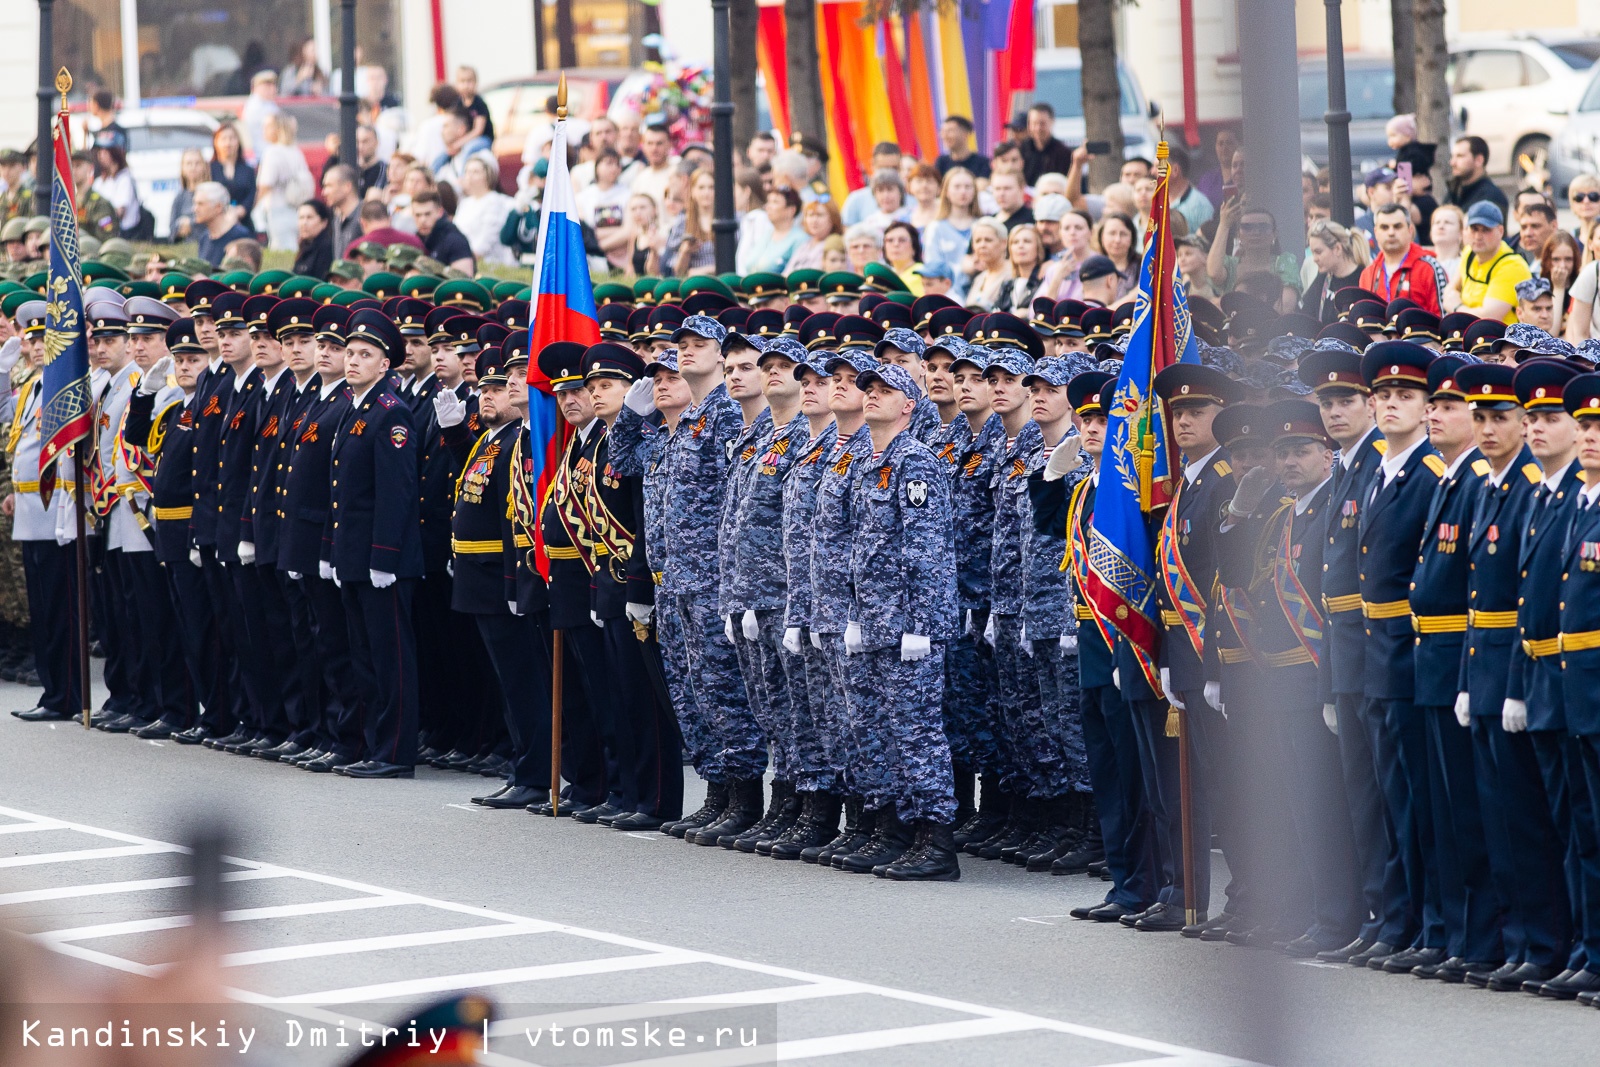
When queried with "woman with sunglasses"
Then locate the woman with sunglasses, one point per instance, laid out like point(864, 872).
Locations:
point(1339, 254)
point(1255, 232)
point(1584, 196)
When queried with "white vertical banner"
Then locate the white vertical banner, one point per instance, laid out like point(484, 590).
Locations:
point(130, 53)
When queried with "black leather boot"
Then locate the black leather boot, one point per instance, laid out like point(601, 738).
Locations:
point(770, 824)
point(1061, 835)
point(966, 784)
point(797, 812)
point(1089, 849)
point(857, 832)
point(716, 802)
point(1047, 816)
point(743, 812)
point(933, 859)
point(815, 832)
point(890, 840)
point(1024, 815)
point(993, 809)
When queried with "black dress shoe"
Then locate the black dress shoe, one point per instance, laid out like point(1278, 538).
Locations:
point(284, 750)
point(230, 739)
point(41, 715)
point(1129, 917)
point(1374, 950)
point(1304, 947)
point(308, 756)
point(502, 791)
point(1082, 911)
point(1431, 970)
point(1404, 958)
point(1481, 979)
point(594, 814)
point(1584, 981)
point(156, 731)
point(1537, 985)
point(635, 821)
point(1344, 952)
point(194, 735)
point(123, 723)
point(1161, 919)
point(324, 763)
point(1517, 977)
point(1455, 970)
point(1197, 930)
point(1422, 957)
point(517, 796)
point(1590, 999)
point(378, 769)
point(1114, 913)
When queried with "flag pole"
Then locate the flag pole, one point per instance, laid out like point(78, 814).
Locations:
point(557, 639)
point(80, 463)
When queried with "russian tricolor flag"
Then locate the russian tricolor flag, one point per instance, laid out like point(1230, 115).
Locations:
point(563, 310)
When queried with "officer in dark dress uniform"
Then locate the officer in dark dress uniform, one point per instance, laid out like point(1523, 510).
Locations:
point(372, 545)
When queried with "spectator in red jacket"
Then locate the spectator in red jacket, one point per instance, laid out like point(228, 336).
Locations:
point(1402, 267)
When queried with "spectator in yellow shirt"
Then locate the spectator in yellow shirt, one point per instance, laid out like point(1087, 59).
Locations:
point(1490, 270)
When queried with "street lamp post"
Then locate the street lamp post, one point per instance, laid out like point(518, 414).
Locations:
point(1338, 119)
point(724, 226)
point(45, 164)
point(347, 84)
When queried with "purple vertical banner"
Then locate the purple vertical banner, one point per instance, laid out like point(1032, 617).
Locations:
point(979, 79)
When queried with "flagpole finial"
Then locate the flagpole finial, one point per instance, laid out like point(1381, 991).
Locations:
point(63, 85)
point(561, 97)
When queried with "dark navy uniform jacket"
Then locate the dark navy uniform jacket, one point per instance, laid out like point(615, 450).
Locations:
point(616, 516)
point(235, 444)
point(372, 522)
point(564, 517)
point(1536, 663)
point(306, 486)
point(1391, 533)
point(1580, 622)
point(1499, 517)
point(1439, 594)
point(212, 400)
point(1342, 663)
point(1201, 508)
point(479, 585)
point(259, 523)
point(437, 470)
point(167, 437)
point(1054, 506)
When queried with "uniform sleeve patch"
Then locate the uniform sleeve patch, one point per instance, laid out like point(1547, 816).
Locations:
point(397, 436)
point(1435, 464)
point(917, 493)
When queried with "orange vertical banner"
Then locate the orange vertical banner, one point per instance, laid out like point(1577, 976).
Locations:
point(771, 53)
point(894, 84)
point(844, 169)
point(923, 119)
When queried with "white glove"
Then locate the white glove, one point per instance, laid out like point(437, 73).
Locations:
point(1063, 459)
point(1116, 678)
point(1464, 709)
point(381, 579)
point(512, 605)
point(1253, 485)
point(751, 628)
point(448, 408)
point(793, 643)
point(337, 584)
point(194, 556)
point(1166, 690)
point(1213, 694)
point(640, 398)
point(1023, 642)
point(294, 576)
point(816, 640)
point(63, 536)
point(247, 552)
point(1330, 718)
point(1514, 716)
point(594, 617)
point(967, 628)
point(852, 638)
point(450, 567)
point(639, 612)
point(914, 647)
point(153, 381)
point(727, 627)
point(325, 570)
point(988, 631)
point(1069, 642)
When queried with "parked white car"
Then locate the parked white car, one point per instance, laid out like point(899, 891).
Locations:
point(157, 138)
point(1515, 92)
point(1058, 81)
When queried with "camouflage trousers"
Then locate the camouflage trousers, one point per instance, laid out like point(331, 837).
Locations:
point(1037, 767)
point(1059, 698)
point(896, 736)
point(734, 744)
point(766, 685)
point(970, 705)
point(13, 585)
point(675, 668)
point(833, 723)
point(815, 762)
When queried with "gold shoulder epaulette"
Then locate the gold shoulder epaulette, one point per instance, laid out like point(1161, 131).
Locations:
point(1382, 447)
point(1435, 464)
point(1222, 468)
point(1533, 473)
point(1481, 467)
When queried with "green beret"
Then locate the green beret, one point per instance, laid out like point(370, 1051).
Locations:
point(462, 292)
point(381, 284)
point(297, 285)
point(344, 268)
point(268, 282)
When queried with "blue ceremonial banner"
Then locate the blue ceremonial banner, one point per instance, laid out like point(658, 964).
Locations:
point(64, 417)
point(1136, 471)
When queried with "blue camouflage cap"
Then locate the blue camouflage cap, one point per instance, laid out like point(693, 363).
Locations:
point(702, 326)
point(953, 345)
point(1052, 372)
point(787, 347)
point(859, 358)
point(666, 359)
point(1112, 367)
point(1589, 350)
point(1524, 335)
point(1076, 362)
point(1335, 344)
point(905, 340)
point(892, 375)
point(1010, 360)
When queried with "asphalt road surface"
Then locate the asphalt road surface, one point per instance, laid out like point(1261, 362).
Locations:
point(362, 901)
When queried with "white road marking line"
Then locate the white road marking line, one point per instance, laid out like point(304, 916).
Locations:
point(381, 942)
point(173, 922)
point(482, 979)
point(85, 854)
point(468, 807)
point(29, 827)
point(106, 959)
point(138, 885)
point(837, 1044)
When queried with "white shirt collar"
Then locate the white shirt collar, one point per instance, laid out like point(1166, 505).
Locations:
point(1498, 478)
point(1552, 479)
point(1450, 471)
point(1394, 461)
point(1304, 502)
point(271, 382)
point(216, 364)
point(1192, 471)
point(583, 434)
point(240, 377)
point(363, 394)
point(1590, 492)
point(1348, 456)
point(329, 388)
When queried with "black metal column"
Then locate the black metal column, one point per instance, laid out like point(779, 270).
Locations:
point(1338, 119)
point(347, 84)
point(724, 227)
point(45, 164)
